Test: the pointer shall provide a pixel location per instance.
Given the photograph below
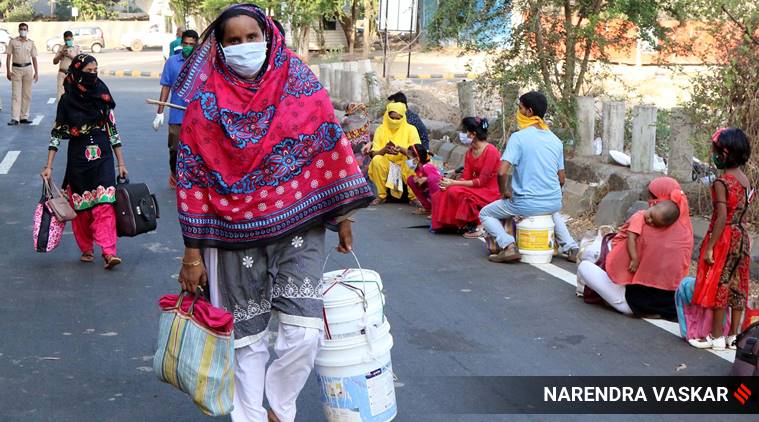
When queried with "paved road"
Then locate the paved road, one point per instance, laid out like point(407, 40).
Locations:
point(77, 342)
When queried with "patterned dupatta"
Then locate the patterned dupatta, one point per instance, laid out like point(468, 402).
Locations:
point(259, 159)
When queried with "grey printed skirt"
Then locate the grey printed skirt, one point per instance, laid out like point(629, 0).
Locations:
point(283, 276)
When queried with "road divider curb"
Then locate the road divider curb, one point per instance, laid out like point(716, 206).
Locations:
point(397, 77)
point(131, 74)
point(446, 76)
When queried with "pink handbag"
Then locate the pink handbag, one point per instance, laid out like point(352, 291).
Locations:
point(48, 230)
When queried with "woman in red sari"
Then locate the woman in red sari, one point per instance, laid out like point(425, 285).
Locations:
point(458, 203)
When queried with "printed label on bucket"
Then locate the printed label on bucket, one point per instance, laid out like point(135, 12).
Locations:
point(368, 397)
point(534, 240)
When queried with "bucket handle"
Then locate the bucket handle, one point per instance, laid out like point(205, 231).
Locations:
point(363, 287)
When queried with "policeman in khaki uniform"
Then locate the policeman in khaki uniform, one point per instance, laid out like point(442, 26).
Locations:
point(63, 59)
point(21, 66)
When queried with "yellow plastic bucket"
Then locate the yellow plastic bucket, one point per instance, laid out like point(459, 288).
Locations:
point(535, 239)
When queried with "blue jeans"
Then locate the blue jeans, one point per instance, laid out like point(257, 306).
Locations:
point(501, 209)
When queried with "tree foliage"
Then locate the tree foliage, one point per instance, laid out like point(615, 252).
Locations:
point(303, 16)
point(728, 93)
point(183, 9)
point(549, 44)
point(16, 10)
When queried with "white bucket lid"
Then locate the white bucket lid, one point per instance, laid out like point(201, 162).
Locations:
point(340, 294)
point(352, 275)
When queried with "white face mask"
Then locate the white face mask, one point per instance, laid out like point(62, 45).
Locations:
point(411, 164)
point(23, 34)
point(464, 138)
point(246, 59)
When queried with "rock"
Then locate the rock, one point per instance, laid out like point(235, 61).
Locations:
point(577, 198)
point(635, 207)
point(456, 159)
point(444, 152)
point(438, 129)
point(435, 145)
point(614, 206)
point(594, 170)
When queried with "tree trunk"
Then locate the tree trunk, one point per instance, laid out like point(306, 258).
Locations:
point(303, 41)
point(368, 26)
point(349, 29)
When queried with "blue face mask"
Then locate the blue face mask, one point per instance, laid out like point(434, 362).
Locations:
point(69, 43)
point(411, 164)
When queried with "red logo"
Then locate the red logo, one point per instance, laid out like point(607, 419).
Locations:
point(742, 394)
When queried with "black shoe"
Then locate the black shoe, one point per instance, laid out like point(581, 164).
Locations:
point(13, 123)
point(25, 121)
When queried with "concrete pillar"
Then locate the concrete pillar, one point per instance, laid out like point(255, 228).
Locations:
point(613, 128)
point(356, 82)
point(373, 86)
point(335, 81)
point(337, 84)
point(325, 76)
point(346, 86)
point(680, 163)
point(466, 98)
point(586, 125)
point(365, 66)
point(643, 139)
point(352, 66)
point(315, 69)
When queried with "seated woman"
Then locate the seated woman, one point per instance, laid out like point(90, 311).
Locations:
point(458, 203)
point(355, 124)
point(637, 281)
point(388, 168)
point(426, 180)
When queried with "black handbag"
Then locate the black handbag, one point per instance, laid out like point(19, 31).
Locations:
point(136, 209)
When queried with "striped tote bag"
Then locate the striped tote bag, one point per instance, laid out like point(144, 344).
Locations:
point(195, 351)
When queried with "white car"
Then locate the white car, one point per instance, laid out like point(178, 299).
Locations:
point(5, 39)
point(136, 41)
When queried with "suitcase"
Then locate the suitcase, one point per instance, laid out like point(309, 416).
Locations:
point(136, 209)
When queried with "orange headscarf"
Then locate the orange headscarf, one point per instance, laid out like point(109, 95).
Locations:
point(664, 253)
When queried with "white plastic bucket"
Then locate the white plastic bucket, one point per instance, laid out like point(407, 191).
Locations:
point(355, 377)
point(353, 300)
point(535, 239)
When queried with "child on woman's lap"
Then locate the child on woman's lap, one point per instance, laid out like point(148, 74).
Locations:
point(663, 214)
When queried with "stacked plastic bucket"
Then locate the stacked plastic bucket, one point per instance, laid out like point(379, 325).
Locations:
point(353, 365)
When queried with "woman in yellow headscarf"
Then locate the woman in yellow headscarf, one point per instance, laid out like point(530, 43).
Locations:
point(389, 153)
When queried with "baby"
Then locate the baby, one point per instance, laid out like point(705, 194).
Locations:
point(663, 214)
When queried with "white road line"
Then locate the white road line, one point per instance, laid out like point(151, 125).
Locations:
point(51, 100)
point(7, 163)
point(37, 119)
point(671, 327)
point(558, 272)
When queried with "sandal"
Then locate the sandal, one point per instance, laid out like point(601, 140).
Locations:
point(421, 211)
point(377, 201)
point(111, 261)
point(475, 234)
point(415, 203)
point(87, 257)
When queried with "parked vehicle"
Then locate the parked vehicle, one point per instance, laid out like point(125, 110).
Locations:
point(136, 41)
point(5, 39)
point(88, 38)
